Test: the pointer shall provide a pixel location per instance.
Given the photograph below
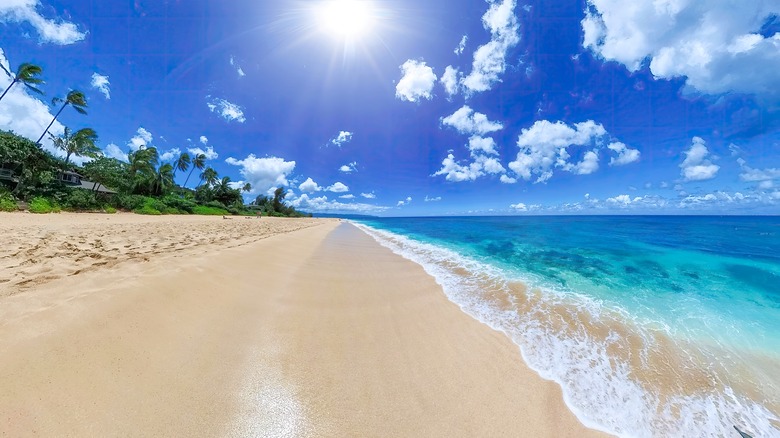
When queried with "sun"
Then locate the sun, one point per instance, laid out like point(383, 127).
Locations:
point(345, 18)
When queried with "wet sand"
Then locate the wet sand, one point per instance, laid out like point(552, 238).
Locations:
point(290, 328)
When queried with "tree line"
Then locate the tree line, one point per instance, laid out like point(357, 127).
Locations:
point(143, 184)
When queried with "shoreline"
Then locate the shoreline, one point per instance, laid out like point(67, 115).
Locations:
point(315, 331)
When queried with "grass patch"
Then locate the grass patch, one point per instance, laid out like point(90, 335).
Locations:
point(7, 203)
point(110, 210)
point(210, 211)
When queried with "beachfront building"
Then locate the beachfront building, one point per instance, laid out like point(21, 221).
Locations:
point(74, 180)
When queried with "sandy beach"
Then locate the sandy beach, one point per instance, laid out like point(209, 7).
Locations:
point(125, 325)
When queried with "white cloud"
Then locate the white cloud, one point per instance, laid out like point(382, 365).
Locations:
point(238, 68)
point(404, 202)
point(338, 188)
point(545, 146)
point(697, 166)
point(227, 110)
point(170, 154)
point(436, 199)
point(467, 121)
point(264, 173)
point(322, 204)
point(309, 186)
point(101, 83)
point(24, 113)
point(451, 80)
point(56, 31)
point(461, 45)
point(481, 166)
point(341, 139)
point(114, 151)
point(764, 177)
point(350, 196)
point(519, 207)
point(349, 168)
point(490, 59)
point(714, 45)
point(209, 152)
point(368, 195)
point(507, 179)
point(416, 82)
point(625, 155)
point(142, 138)
point(479, 144)
point(204, 139)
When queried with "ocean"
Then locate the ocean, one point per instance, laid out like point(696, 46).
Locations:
point(653, 326)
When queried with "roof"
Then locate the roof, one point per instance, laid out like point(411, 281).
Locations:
point(89, 185)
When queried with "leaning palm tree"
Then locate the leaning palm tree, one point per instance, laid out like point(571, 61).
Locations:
point(81, 143)
point(163, 179)
point(199, 162)
point(182, 163)
point(209, 176)
point(26, 74)
point(76, 99)
point(247, 188)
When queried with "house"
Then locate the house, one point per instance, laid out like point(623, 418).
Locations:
point(7, 172)
point(73, 179)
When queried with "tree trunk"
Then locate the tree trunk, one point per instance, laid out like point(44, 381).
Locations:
point(8, 89)
point(188, 177)
point(52, 122)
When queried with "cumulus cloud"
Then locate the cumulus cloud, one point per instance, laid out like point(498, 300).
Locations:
point(625, 154)
point(713, 45)
point(483, 145)
point(349, 168)
point(56, 31)
point(24, 113)
point(697, 166)
point(490, 59)
point(114, 151)
point(309, 186)
point(480, 166)
point(263, 173)
point(519, 207)
point(765, 178)
point(416, 82)
point(451, 80)
point(204, 139)
point(101, 83)
point(350, 196)
point(170, 154)
point(322, 204)
point(209, 152)
point(227, 110)
point(546, 145)
point(368, 195)
point(467, 121)
point(341, 139)
point(338, 188)
point(142, 138)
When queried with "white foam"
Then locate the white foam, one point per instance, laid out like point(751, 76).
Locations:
point(598, 388)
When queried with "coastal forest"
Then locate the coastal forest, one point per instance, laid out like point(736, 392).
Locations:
point(32, 178)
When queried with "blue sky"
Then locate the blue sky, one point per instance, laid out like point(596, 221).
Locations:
point(404, 107)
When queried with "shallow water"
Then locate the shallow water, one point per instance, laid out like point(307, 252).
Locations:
point(653, 326)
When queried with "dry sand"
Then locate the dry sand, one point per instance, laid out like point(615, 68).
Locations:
point(245, 328)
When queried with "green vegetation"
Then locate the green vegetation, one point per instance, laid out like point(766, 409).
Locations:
point(142, 185)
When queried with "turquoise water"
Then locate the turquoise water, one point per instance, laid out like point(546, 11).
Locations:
point(653, 326)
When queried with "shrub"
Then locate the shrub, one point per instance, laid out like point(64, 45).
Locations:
point(152, 206)
point(129, 202)
point(110, 210)
point(210, 211)
point(42, 206)
point(7, 201)
point(182, 205)
point(80, 200)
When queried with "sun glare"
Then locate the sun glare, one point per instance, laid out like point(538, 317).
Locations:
point(345, 18)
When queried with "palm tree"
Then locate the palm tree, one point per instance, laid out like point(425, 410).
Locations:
point(209, 176)
point(247, 187)
point(182, 163)
point(25, 74)
point(76, 99)
point(81, 143)
point(199, 162)
point(163, 179)
point(143, 167)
